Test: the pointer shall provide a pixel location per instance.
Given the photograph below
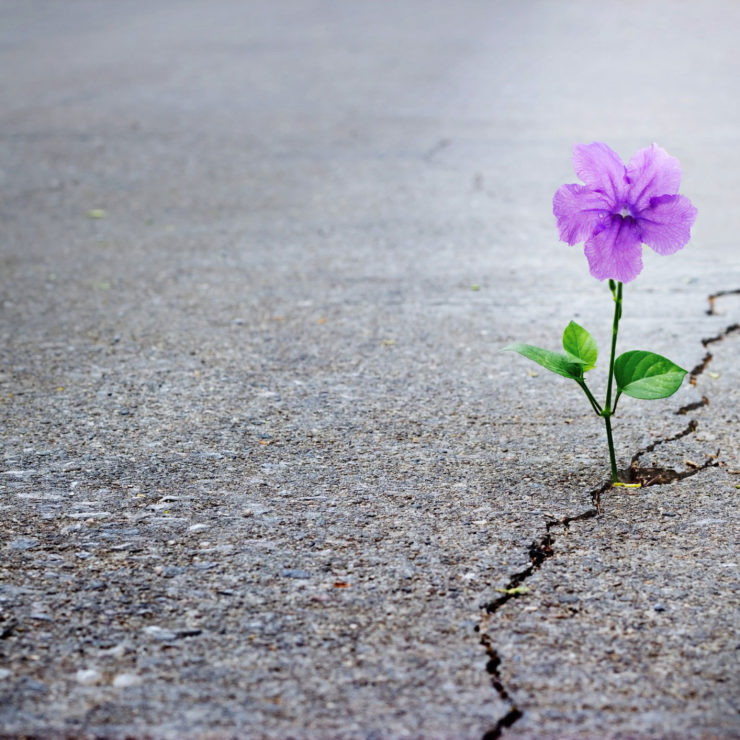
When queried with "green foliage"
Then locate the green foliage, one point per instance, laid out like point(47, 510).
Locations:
point(646, 375)
point(552, 361)
point(580, 346)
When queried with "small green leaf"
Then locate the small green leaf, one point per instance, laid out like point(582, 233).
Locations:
point(552, 361)
point(516, 591)
point(580, 346)
point(96, 213)
point(646, 375)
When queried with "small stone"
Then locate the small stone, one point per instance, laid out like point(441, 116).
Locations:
point(205, 565)
point(116, 651)
point(211, 455)
point(295, 573)
point(160, 634)
point(567, 598)
point(88, 677)
point(5, 673)
point(26, 683)
point(23, 543)
point(170, 571)
point(124, 680)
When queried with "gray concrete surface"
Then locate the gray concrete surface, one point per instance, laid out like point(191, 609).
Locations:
point(263, 466)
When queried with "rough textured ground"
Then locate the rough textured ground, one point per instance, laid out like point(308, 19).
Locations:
point(263, 467)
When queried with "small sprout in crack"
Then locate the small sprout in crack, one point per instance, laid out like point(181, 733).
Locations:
point(617, 210)
point(516, 591)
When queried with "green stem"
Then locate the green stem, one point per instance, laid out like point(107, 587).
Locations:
point(616, 401)
point(594, 403)
point(608, 410)
point(612, 460)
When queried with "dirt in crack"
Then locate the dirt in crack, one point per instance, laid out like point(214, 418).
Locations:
point(655, 476)
point(540, 551)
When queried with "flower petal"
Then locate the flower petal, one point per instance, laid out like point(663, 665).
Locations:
point(651, 172)
point(579, 210)
point(601, 169)
point(666, 224)
point(615, 251)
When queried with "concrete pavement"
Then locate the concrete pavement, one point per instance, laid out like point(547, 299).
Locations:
point(264, 468)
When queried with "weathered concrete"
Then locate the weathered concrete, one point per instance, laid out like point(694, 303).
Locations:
point(263, 464)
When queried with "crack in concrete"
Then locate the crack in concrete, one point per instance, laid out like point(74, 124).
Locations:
point(508, 719)
point(692, 406)
point(540, 551)
point(712, 298)
point(436, 149)
point(719, 337)
point(702, 366)
point(691, 427)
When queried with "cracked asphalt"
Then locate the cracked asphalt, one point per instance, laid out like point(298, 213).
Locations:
point(263, 469)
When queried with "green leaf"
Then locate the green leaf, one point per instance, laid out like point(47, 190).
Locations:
point(646, 375)
point(580, 346)
point(552, 361)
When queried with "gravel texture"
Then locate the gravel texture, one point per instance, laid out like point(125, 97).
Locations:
point(263, 470)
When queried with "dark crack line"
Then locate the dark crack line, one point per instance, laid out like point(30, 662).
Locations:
point(731, 328)
point(436, 149)
point(712, 298)
point(702, 366)
point(692, 406)
point(506, 721)
point(540, 551)
point(691, 427)
point(588, 514)
point(659, 476)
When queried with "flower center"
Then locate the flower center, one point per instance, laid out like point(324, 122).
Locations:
point(625, 212)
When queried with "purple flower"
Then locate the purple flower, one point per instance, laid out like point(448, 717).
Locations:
point(621, 208)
